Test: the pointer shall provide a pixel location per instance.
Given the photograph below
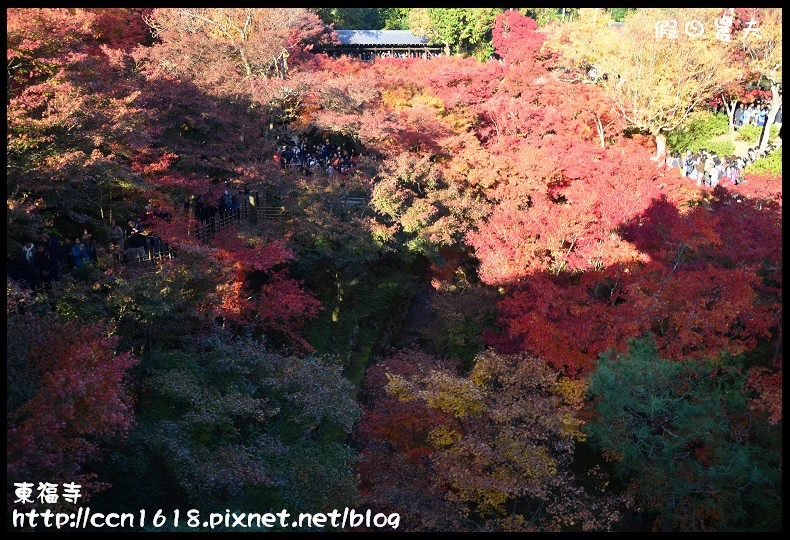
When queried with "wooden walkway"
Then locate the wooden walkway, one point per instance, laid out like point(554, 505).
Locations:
point(268, 211)
point(263, 212)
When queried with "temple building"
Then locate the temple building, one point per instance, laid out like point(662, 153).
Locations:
point(369, 44)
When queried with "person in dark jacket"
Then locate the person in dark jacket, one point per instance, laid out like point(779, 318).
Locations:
point(80, 252)
point(136, 249)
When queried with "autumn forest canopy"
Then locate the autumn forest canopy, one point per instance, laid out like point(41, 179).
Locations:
point(506, 312)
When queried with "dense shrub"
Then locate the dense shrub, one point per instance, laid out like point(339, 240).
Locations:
point(705, 127)
point(722, 148)
point(770, 164)
point(751, 133)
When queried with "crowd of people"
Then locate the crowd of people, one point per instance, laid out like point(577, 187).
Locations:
point(754, 114)
point(136, 241)
point(207, 211)
point(311, 157)
point(709, 169)
point(40, 263)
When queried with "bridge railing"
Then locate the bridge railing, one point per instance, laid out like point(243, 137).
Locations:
point(256, 209)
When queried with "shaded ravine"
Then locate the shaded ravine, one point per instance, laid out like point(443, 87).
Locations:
point(420, 315)
point(400, 326)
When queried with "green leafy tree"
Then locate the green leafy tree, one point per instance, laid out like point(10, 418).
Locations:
point(618, 14)
point(352, 18)
point(684, 434)
point(545, 15)
point(227, 423)
point(395, 18)
point(464, 31)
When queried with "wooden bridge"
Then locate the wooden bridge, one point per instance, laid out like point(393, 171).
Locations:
point(266, 211)
point(261, 211)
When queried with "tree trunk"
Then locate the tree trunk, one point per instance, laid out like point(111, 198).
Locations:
point(730, 108)
point(661, 147)
point(285, 56)
point(769, 121)
point(599, 127)
point(245, 62)
point(190, 214)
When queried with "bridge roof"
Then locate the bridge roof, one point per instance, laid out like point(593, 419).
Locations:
point(379, 37)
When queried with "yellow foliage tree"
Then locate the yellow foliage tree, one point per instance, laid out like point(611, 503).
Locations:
point(502, 454)
point(583, 42)
point(658, 66)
